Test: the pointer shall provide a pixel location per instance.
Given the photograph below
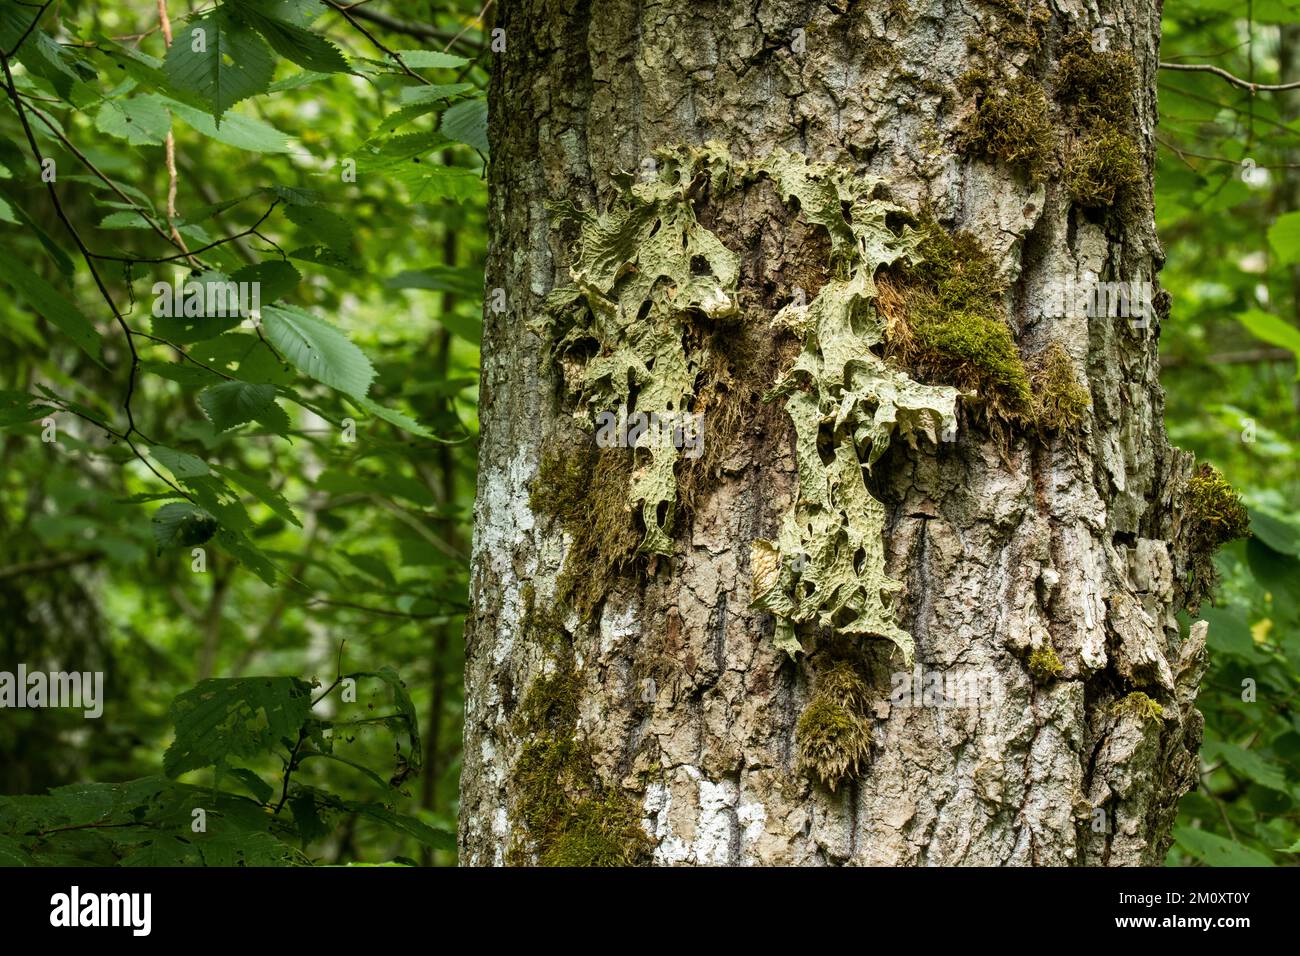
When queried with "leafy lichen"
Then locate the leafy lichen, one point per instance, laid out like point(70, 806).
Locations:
point(827, 565)
point(641, 270)
point(645, 272)
point(834, 731)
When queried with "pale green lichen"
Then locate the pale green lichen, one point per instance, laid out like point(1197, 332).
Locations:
point(639, 270)
point(645, 268)
point(827, 566)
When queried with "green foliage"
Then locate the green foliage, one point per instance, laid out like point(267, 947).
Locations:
point(156, 821)
point(227, 494)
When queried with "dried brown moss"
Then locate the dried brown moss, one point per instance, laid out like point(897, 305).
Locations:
point(585, 488)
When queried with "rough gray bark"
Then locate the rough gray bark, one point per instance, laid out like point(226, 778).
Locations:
point(1066, 543)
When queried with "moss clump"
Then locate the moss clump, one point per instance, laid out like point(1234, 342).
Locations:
point(1060, 402)
point(585, 488)
point(1095, 85)
point(1214, 512)
point(572, 818)
point(1106, 171)
point(1010, 125)
point(1044, 665)
point(1212, 515)
point(834, 731)
point(1141, 705)
point(944, 322)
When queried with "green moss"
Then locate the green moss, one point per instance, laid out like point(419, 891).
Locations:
point(1140, 704)
point(1212, 515)
point(1044, 665)
point(572, 818)
point(1010, 125)
point(1095, 85)
point(586, 490)
point(834, 731)
point(1214, 512)
point(944, 321)
point(1106, 171)
point(1060, 402)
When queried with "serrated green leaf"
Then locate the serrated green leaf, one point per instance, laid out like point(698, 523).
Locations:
point(140, 120)
point(247, 554)
point(181, 464)
point(467, 123)
point(430, 59)
point(262, 492)
point(404, 422)
point(322, 225)
point(1214, 850)
point(275, 277)
point(318, 349)
point(309, 50)
point(221, 60)
point(182, 525)
point(230, 404)
point(243, 717)
point(61, 313)
point(242, 132)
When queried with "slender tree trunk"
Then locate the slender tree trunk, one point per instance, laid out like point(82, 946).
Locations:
point(1010, 550)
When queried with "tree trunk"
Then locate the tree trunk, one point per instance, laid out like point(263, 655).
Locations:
point(638, 708)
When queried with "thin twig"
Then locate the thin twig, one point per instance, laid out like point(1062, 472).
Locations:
point(1235, 80)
